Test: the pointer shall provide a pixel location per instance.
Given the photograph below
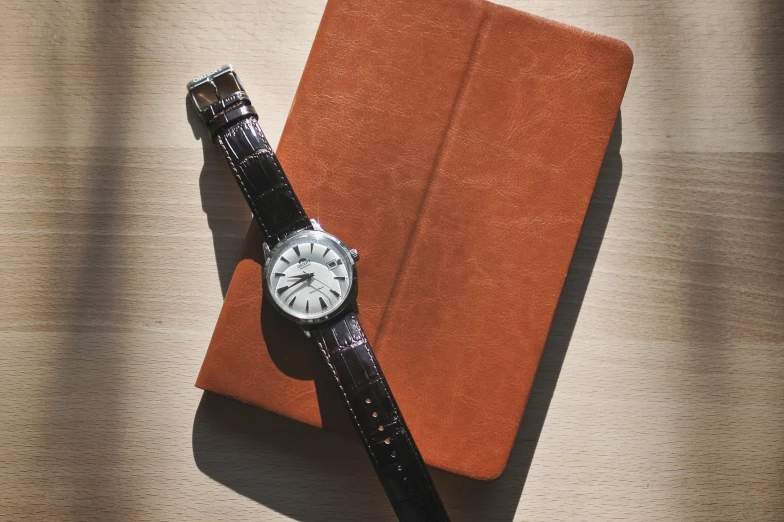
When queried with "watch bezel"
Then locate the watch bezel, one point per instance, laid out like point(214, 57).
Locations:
point(351, 268)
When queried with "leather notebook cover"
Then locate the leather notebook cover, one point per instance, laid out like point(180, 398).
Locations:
point(455, 144)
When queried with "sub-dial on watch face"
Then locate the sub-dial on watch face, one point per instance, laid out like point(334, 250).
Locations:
point(309, 277)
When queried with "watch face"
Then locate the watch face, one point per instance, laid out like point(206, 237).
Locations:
point(310, 276)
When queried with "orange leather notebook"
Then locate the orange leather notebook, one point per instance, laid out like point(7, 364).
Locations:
point(455, 144)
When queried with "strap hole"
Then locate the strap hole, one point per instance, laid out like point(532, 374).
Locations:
point(381, 428)
point(387, 440)
point(394, 454)
point(399, 467)
point(375, 414)
point(368, 401)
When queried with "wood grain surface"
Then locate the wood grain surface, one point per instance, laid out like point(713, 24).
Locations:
point(661, 392)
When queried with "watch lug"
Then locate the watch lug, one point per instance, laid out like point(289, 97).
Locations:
point(306, 332)
point(265, 247)
point(316, 225)
point(354, 254)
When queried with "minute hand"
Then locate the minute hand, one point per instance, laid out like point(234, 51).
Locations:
point(300, 278)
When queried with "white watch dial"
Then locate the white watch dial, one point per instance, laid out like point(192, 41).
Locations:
point(309, 276)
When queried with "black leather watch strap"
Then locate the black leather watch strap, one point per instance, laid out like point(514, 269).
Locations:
point(378, 421)
point(261, 178)
point(233, 124)
point(226, 110)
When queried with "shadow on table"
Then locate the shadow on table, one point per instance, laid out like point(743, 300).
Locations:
point(311, 475)
point(227, 213)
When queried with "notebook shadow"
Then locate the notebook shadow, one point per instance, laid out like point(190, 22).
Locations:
point(312, 475)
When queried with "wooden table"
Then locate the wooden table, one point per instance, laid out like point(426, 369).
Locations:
point(661, 394)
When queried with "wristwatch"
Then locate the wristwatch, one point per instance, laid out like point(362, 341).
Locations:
point(310, 277)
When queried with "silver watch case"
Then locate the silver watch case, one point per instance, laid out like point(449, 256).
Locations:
point(350, 254)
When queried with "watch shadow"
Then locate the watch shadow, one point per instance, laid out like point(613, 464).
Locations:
point(312, 475)
point(296, 355)
point(227, 213)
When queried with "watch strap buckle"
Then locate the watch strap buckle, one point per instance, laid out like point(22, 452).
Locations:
point(219, 98)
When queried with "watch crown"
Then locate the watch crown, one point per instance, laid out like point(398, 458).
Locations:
point(354, 254)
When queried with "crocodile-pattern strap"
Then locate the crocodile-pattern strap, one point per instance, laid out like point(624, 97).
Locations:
point(233, 124)
point(377, 419)
point(261, 178)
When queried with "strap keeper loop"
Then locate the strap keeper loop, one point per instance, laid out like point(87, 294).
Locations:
point(227, 118)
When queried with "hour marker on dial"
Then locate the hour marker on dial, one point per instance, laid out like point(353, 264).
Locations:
point(284, 259)
point(325, 252)
point(279, 274)
point(336, 293)
point(296, 249)
point(282, 289)
point(340, 277)
point(291, 303)
point(323, 303)
point(307, 306)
